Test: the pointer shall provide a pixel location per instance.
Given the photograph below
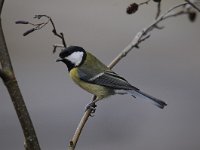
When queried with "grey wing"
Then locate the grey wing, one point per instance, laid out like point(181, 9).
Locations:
point(107, 78)
point(112, 80)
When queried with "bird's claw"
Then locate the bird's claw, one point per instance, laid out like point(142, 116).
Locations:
point(91, 106)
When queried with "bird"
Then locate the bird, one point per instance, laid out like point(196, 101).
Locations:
point(95, 77)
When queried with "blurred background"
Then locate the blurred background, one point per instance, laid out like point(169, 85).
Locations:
point(167, 66)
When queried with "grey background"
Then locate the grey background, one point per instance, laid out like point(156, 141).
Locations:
point(166, 66)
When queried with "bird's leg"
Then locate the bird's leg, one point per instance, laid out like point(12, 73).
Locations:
point(92, 106)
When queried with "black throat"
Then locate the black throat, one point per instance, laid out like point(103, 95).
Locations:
point(69, 64)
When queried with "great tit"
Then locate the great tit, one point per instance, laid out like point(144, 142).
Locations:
point(96, 78)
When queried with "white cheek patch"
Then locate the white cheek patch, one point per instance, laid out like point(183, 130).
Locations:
point(75, 58)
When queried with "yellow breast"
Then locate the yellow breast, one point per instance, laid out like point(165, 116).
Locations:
point(100, 91)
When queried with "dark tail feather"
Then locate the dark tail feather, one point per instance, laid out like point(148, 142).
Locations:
point(159, 103)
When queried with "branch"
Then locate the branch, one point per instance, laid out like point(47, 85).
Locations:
point(1, 5)
point(193, 5)
point(8, 76)
point(146, 2)
point(158, 10)
point(4, 76)
point(73, 142)
point(139, 38)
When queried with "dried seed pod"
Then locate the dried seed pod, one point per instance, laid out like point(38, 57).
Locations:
point(157, 1)
point(132, 8)
point(29, 31)
point(192, 16)
point(21, 22)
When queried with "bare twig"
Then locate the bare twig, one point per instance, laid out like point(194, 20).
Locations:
point(39, 26)
point(73, 142)
point(139, 38)
point(61, 35)
point(166, 15)
point(8, 77)
point(146, 2)
point(193, 5)
point(56, 46)
point(158, 10)
point(175, 14)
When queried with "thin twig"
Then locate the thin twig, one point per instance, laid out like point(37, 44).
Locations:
point(142, 3)
point(61, 35)
point(140, 37)
point(158, 10)
point(56, 46)
point(73, 142)
point(165, 16)
point(193, 5)
point(175, 15)
point(39, 26)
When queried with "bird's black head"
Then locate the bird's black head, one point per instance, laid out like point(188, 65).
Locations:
point(72, 56)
